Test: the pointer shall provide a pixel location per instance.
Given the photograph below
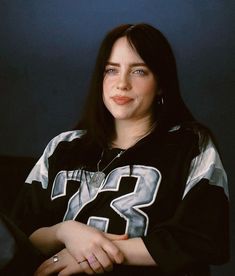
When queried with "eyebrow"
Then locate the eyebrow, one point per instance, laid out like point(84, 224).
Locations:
point(131, 65)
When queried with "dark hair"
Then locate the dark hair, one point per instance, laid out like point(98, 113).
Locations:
point(156, 52)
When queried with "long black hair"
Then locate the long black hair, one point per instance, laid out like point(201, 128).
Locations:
point(156, 52)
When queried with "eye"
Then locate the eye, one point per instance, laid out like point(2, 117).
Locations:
point(110, 71)
point(140, 72)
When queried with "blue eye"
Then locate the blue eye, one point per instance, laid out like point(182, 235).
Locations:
point(140, 72)
point(110, 71)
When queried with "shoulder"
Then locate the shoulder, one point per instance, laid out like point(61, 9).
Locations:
point(207, 163)
point(198, 135)
point(192, 135)
point(182, 136)
point(193, 129)
point(40, 171)
point(67, 136)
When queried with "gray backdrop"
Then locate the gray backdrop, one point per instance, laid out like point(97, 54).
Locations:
point(47, 53)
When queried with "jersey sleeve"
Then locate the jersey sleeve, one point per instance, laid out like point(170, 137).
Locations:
point(198, 231)
point(30, 211)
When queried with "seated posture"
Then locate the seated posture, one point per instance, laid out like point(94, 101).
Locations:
point(138, 188)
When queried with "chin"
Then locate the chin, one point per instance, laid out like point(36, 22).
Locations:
point(120, 116)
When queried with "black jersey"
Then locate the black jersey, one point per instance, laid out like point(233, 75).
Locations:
point(164, 189)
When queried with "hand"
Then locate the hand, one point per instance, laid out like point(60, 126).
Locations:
point(66, 265)
point(91, 248)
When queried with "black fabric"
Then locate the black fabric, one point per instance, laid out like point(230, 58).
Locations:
point(195, 237)
point(184, 233)
point(17, 255)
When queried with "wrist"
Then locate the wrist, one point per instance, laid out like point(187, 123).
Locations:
point(59, 231)
point(135, 252)
point(63, 229)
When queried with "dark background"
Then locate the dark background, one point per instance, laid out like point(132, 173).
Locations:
point(47, 53)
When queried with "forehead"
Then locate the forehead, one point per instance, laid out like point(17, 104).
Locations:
point(122, 51)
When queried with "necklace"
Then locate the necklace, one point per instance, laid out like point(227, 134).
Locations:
point(99, 175)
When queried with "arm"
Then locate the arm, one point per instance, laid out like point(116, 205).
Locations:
point(89, 247)
point(73, 234)
point(135, 252)
point(46, 241)
point(198, 233)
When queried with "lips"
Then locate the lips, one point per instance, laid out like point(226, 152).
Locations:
point(121, 100)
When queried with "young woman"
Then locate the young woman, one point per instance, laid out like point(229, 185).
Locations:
point(138, 188)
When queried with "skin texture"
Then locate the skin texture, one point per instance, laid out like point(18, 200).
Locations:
point(82, 242)
point(129, 88)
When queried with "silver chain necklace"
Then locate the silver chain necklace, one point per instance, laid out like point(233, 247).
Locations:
point(99, 176)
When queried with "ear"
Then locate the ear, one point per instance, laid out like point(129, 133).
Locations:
point(159, 92)
point(159, 97)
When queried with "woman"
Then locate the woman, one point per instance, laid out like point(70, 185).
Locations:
point(139, 188)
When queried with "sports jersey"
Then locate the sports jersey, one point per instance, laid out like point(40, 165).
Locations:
point(164, 189)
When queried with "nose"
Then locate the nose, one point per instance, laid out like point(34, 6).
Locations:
point(123, 82)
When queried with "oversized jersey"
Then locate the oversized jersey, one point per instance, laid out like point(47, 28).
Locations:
point(164, 189)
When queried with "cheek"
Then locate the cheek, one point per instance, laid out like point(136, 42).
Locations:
point(147, 85)
point(106, 91)
point(108, 82)
point(148, 100)
point(153, 88)
point(148, 92)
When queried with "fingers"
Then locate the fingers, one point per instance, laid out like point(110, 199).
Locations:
point(113, 237)
point(96, 262)
point(100, 261)
point(86, 267)
point(103, 248)
point(113, 252)
point(96, 253)
point(64, 264)
point(50, 266)
point(59, 263)
point(72, 271)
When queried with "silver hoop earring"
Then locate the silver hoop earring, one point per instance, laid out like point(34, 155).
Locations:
point(160, 100)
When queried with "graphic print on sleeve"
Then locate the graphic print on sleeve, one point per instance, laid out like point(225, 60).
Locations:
point(127, 206)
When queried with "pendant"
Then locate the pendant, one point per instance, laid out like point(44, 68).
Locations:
point(97, 179)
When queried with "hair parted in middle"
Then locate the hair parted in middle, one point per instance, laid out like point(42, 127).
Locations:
point(156, 52)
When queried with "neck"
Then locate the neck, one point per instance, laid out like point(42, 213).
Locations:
point(129, 133)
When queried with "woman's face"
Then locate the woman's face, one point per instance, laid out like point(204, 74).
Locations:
point(129, 87)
